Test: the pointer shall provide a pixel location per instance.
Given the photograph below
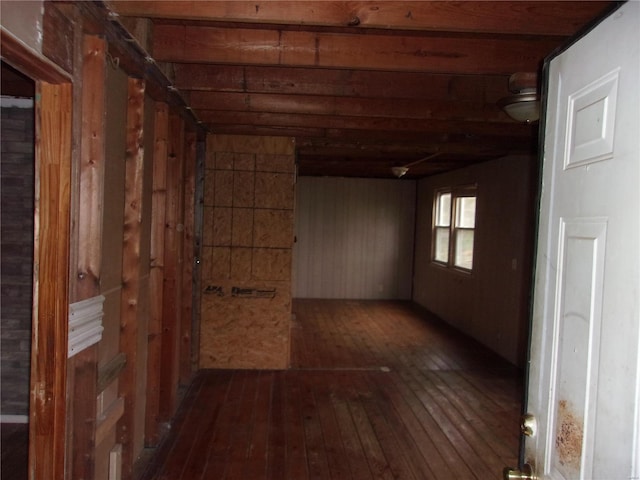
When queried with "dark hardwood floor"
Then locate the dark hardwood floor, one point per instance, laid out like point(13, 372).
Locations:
point(377, 390)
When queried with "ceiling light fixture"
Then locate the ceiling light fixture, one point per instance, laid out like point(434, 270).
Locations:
point(524, 105)
point(401, 171)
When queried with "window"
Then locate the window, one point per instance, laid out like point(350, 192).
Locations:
point(454, 222)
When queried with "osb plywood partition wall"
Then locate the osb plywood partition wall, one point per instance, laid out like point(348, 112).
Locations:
point(247, 252)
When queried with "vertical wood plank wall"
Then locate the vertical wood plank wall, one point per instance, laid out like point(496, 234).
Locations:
point(94, 171)
point(88, 250)
point(186, 315)
point(51, 264)
point(492, 304)
point(172, 295)
point(130, 321)
point(354, 238)
point(156, 274)
point(111, 285)
point(145, 300)
point(196, 280)
point(247, 249)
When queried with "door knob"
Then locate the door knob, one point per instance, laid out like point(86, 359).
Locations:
point(524, 473)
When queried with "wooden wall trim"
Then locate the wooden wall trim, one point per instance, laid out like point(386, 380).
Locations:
point(156, 273)
point(51, 285)
point(30, 62)
point(172, 297)
point(197, 246)
point(186, 316)
point(92, 158)
point(133, 201)
point(84, 366)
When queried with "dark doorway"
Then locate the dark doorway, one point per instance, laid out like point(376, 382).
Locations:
point(17, 170)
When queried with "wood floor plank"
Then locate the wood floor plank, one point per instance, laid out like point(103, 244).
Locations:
point(335, 450)
point(239, 439)
point(189, 401)
point(444, 446)
point(415, 437)
point(296, 452)
point(354, 450)
point(316, 454)
point(389, 430)
point(212, 395)
point(258, 448)
point(217, 456)
point(453, 427)
point(377, 390)
point(370, 445)
point(277, 440)
point(478, 411)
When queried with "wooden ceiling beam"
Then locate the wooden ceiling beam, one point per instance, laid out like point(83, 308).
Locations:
point(524, 17)
point(379, 124)
point(392, 153)
point(363, 139)
point(265, 130)
point(411, 151)
point(429, 54)
point(339, 82)
point(350, 106)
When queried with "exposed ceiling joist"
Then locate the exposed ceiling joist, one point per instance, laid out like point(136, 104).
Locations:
point(521, 17)
point(363, 86)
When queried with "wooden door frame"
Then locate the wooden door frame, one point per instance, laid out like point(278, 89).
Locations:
point(53, 140)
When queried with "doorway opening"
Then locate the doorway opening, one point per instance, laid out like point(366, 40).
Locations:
point(17, 173)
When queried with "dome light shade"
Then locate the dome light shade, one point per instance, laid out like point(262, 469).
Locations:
point(522, 107)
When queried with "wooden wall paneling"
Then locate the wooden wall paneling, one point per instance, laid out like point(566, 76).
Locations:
point(51, 266)
point(199, 203)
point(186, 316)
point(355, 238)
point(92, 161)
point(494, 306)
point(145, 267)
point(156, 274)
point(172, 296)
point(111, 284)
point(131, 268)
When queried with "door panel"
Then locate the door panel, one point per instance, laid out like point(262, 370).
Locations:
point(583, 379)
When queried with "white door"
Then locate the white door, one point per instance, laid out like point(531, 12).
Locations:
point(584, 382)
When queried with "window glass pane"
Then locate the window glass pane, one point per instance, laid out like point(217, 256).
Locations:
point(441, 250)
point(443, 210)
point(464, 249)
point(466, 212)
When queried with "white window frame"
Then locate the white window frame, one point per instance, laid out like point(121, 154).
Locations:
point(452, 226)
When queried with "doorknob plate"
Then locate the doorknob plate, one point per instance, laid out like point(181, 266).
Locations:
point(528, 425)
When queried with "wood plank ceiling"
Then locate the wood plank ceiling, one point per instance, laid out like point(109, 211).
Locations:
point(362, 86)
